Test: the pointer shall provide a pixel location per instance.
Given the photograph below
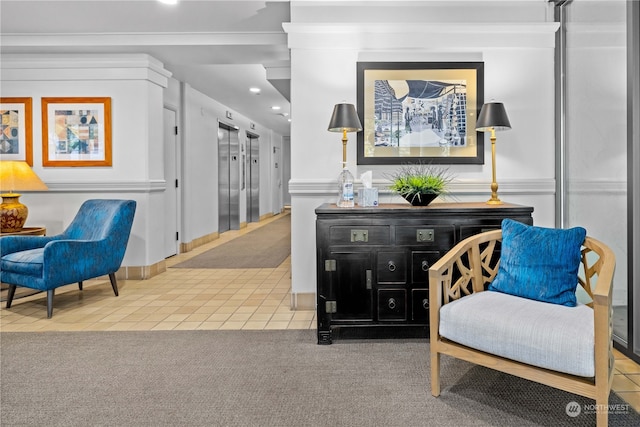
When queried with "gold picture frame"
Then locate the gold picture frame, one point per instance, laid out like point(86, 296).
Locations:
point(420, 112)
point(76, 132)
point(16, 129)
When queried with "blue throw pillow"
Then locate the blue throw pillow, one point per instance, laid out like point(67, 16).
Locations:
point(539, 263)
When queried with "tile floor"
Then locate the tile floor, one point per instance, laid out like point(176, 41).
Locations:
point(188, 299)
point(179, 298)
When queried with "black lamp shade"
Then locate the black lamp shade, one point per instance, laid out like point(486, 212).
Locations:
point(493, 115)
point(344, 117)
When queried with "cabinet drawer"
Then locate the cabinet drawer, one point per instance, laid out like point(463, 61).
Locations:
point(391, 267)
point(420, 305)
point(420, 263)
point(480, 225)
point(470, 230)
point(392, 304)
point(425, 235)
point(359, 235)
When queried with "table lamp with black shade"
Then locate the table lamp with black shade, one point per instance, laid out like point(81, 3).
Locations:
point(345, 119)
point(493, 117)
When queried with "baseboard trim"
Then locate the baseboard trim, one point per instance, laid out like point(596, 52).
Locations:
point(265, 216)
point(141, 272)
point(303, 301)
point(189, 246)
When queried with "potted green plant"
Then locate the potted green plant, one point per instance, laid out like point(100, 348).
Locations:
point(420, 183)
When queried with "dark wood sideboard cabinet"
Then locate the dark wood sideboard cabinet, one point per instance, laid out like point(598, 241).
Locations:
point(373, 262)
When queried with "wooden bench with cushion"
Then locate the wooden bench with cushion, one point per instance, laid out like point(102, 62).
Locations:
point(523, 324)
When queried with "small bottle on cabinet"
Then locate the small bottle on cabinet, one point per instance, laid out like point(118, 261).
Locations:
point(345, 188)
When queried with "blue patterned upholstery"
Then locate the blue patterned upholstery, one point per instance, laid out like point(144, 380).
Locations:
point(93, 245)
point(27, 262)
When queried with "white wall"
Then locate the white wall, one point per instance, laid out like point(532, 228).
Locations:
point(135, 83)
point(519, 67)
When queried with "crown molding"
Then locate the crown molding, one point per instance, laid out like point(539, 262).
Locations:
point(25, 67)
point(413, 35)
point(226, 38)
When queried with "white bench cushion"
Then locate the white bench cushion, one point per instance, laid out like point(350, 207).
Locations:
point(537, 333)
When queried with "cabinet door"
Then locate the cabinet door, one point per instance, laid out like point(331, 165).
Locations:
point(351, 286)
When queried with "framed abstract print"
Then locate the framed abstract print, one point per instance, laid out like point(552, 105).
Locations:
point(76, 132)
point(16, 129)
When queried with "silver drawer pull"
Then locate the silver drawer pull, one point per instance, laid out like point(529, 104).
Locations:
point(425, 235)
point(392, 266)
point(425, 304)
point(392, 303)
point(425, 265)
point(360, 236)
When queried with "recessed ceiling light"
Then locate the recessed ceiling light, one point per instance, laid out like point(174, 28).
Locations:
point(255, 90)
point(275, 107)
point(168, 1)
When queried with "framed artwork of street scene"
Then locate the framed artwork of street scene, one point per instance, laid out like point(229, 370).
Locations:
point(420, 112)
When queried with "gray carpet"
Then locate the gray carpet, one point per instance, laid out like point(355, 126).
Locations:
point(265, 247)
point(259, 378)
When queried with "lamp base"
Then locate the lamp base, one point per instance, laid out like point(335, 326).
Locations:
point(495, 201)
point(13, 214)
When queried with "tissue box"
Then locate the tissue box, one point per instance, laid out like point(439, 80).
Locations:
point(368, 197)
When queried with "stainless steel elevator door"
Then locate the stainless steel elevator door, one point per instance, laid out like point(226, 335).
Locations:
point(228, 179)
point(253, 178)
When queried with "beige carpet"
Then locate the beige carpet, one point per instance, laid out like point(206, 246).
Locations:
point(265, 247)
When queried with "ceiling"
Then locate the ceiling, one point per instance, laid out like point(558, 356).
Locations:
point(220, 48)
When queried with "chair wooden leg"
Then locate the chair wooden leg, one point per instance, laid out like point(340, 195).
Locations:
point(80, 285)
point(602, 405)
point(114, 284)
point(10, 295)
point(435, 373)
point(602, 415)
point(50, 294)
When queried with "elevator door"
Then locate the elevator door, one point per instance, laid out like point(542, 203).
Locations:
point(253, 177)
point(228, 178)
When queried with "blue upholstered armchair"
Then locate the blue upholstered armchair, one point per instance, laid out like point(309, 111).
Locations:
point(93, 245)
